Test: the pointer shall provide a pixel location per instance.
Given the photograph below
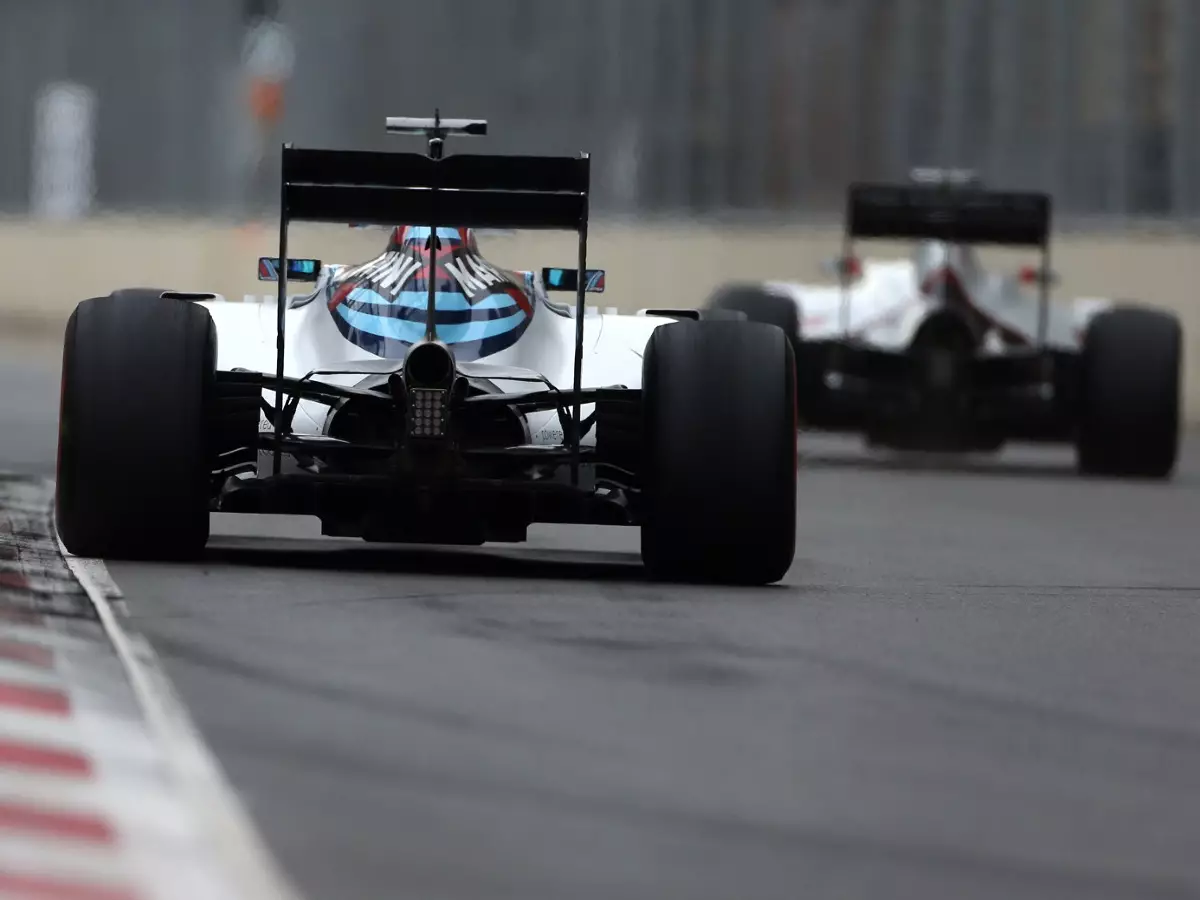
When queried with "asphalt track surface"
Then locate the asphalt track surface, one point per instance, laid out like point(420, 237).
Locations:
point(979, 682)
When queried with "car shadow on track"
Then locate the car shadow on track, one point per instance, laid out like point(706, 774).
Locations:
point(819, 450)
point(982, 467)
point(486, 562)
point(431, 560)
point(516, 562)
point(940, 464)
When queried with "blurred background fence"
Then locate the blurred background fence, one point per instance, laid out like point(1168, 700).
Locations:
point(724, 109)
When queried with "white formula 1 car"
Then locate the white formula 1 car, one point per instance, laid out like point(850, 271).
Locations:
point(428, 395)
point(937, 353)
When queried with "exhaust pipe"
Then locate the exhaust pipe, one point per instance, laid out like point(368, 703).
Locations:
point(429, 374)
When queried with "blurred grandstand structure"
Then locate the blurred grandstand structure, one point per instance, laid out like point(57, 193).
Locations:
point(750, 110)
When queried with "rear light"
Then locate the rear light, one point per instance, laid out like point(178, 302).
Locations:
point(428, 412)
point(1036, 275)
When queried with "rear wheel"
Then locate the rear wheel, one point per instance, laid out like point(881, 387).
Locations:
point(760, 305)
point(722, 315)
point(719, 466)
point(134, 449)
point(1130, 393)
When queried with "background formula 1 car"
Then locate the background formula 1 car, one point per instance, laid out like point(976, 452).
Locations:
point(937, 353)
point(428, 395)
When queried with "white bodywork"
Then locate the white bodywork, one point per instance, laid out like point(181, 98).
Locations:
point(612, 350)
point(889, 299)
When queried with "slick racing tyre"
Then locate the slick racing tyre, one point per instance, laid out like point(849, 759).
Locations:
point(719, 461)
point(722, 315)
point(134, 461)
point(1131, 365)
point(759, 305)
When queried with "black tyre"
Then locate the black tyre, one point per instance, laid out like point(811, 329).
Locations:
point(1130, 390)
point(134, 449)
point(723, 315)
point(759, 305)
point(719, 461)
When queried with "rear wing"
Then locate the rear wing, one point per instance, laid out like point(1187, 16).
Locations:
point(379, 188)
point(939, 212)
point(956, 211)
point(475, 191)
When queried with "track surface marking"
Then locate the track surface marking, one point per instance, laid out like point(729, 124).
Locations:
point(105, 789)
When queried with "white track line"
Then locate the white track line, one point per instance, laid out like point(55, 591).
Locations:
point(241, 850)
